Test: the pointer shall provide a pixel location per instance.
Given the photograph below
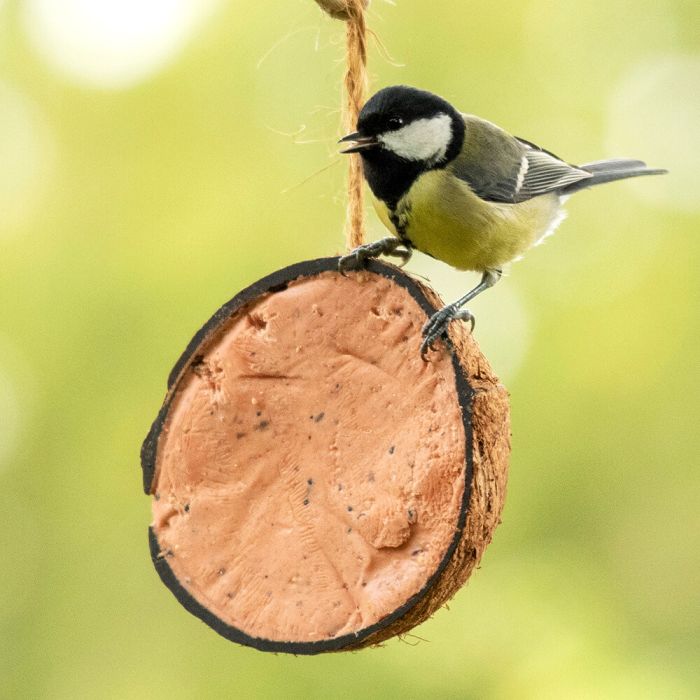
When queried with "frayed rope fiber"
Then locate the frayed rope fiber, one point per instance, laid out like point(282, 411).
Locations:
point(353, 13)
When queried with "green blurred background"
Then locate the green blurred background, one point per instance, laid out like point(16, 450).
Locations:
point(154, 157)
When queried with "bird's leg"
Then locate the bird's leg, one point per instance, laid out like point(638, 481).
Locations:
point(384, 246)
point(436, 325)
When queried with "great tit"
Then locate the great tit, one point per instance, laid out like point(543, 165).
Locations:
point(461, 189)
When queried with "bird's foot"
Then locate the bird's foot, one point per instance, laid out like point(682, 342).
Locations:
point(385, 246)
point(436, 326)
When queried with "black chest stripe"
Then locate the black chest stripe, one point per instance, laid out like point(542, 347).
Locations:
point(398, 215)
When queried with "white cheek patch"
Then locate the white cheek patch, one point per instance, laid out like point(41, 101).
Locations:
point(421, 140)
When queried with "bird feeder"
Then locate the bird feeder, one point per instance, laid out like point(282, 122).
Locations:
point(317, 486)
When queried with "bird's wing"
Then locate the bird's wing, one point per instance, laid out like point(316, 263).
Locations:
point(541, 172)
point(501, 168)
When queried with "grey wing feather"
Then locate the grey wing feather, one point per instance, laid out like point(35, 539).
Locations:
point(501, 168)
point(545, 173)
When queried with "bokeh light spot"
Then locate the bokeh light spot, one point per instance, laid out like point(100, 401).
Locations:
point(26, 154)
point(574, 53)
point(112, 43)
point(655, 114)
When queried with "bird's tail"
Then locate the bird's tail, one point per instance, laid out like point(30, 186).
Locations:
point(611, 170)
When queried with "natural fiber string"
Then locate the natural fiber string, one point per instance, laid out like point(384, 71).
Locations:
point(353, 12)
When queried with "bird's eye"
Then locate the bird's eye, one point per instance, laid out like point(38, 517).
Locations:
point(394, 122)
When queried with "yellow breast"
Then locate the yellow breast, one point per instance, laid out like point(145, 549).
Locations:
point(441, 216)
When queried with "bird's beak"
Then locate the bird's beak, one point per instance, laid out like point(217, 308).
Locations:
point(360, 143)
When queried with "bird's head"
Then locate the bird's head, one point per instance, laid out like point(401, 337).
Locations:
point(403, 125)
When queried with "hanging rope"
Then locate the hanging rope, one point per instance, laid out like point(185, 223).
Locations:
point(353, 13)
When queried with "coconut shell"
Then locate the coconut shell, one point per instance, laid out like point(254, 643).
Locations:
point(316, 485)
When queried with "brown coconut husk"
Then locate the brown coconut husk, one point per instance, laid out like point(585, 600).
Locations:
point(478, 421)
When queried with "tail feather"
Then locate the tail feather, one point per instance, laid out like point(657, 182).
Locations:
point(613, 164)
point(611, 170)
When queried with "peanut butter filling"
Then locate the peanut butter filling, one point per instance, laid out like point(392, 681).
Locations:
point(310, 472)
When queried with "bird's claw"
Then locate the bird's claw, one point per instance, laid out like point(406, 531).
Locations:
point(436, 326)
point(386, 246)
point(405, 252)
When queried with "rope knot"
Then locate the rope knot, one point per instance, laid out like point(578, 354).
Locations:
point(343, 9)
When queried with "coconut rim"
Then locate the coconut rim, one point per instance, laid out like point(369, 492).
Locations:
point(270, 284)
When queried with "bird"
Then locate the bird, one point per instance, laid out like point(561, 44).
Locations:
point(461, 189)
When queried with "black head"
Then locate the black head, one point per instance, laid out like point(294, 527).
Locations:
point(402, 132)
